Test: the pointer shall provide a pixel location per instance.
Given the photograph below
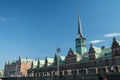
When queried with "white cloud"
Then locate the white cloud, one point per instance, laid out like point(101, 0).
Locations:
point(2, 19)
point(112, 35)
point(96, 41)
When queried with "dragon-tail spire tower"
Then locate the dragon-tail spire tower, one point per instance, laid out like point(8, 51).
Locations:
point(79, 27)
point(80, 40)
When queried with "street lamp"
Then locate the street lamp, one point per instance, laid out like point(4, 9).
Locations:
point(16, 66)
point(58, 50)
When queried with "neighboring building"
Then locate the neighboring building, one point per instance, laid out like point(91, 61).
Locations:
point(18, 68)
point(96, 60)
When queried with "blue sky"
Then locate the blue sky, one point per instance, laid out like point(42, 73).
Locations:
point(34, 28)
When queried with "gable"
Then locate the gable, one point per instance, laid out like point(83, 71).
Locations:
point(71, 57)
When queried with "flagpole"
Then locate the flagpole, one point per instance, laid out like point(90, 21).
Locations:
point(58, 65)
point(16, 69)
point(58, 50)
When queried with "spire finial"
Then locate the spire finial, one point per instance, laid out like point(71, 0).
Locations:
point(79, 25)
point(91, 45)
point(114, 39)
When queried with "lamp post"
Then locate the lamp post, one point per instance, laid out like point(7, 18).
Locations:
point(16, 69)
point(58, 50)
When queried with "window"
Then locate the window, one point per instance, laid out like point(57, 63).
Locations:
point(84, 65)
point(94, 63)
point(116, 52)
point(113, 60)
point(89, 64)
point(99, 63)
point(119, 50)
point(107, 62)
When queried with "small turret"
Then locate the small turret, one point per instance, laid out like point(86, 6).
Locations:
point(32, 65)
point(46, 62)
point(103, 47)
point(38, 64)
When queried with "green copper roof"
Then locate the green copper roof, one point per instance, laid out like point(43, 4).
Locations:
point(84, 57)
point(42, 62)
point(118, 42)
point(50, 61)
point(35, 63)
point(79, 57)
point(61, 60)
point(106, 52)
point(97, 49)
point(24, 60)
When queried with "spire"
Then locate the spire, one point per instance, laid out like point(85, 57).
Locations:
point(79, 27)
point(32, 65)
point(38, 64)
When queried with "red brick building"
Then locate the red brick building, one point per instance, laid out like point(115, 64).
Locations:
point(17, 68)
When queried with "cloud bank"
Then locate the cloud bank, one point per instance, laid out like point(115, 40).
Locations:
point(96, 41)
point(112, 35)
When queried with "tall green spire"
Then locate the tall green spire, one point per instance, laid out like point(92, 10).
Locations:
point(79, 27)
point(80, 40)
